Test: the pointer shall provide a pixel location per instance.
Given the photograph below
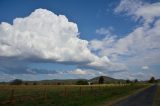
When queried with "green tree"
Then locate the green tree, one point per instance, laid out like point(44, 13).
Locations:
point(26, 83)
point(152, 80)
point(136, 80)
point(17, 82)
point(101, 80)
point(82, 82)
point(34, 83)
point(128, 81)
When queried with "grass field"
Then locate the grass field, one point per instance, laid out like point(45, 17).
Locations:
point(157, 97)
point(63, 95)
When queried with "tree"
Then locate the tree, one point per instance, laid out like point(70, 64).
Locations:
point(26, 83)
point(34, 83)
point(58, 83)
point(128, 81)
point(101, 80)
point(152, 80)
point(136, 80)
point(82, 82)
point(17, 82)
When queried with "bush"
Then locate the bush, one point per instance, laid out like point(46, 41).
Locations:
point(17, 82)
point(82, 82)
point(128, 81)
point(58, 83)
point(26, 83)
point(34, 83)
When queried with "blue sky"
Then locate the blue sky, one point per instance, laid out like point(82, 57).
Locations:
point(89, 15)
point(117, 38)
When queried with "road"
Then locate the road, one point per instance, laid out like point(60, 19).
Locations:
point(143, 98)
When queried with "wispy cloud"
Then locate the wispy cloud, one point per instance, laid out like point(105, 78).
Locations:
point(139, 10)
point(105, 31)
point(139, 47)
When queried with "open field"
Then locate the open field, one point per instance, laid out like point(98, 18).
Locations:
point(63, 95)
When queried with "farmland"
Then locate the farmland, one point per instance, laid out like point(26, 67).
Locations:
point(64, 95)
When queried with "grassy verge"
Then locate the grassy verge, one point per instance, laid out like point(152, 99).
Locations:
point(117, 99)
point(157, 97)
point(67, 95)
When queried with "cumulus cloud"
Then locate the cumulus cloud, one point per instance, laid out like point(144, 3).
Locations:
point(81, 72)
point(87, 73)
point(45, 35)
point(109, 39)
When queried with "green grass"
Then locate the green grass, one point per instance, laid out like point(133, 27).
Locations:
point(157, 97)
point(56, 95)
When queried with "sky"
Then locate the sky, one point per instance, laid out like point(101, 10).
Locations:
point(53, 39)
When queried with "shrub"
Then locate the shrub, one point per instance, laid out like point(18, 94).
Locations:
point(128, 81)
point(17, 82)
point(34, 83)
point(82, 82)
point(26, 83)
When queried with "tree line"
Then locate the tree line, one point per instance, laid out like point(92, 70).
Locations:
point(79, 82)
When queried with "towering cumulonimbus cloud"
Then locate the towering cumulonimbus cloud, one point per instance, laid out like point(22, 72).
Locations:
point(46, 36)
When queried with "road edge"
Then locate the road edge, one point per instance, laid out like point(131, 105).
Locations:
point(124, 97)
point(156, 101)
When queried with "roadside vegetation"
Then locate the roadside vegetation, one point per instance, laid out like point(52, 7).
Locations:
point(157, 97)
point(64, 95)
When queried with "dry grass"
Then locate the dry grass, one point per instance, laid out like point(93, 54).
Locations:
point(70, 95)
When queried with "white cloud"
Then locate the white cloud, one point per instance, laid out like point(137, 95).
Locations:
point(106, 65)
point(138, 9)
point(141, 46)
point(104, 31)
point(80, 72)
point(86, 73)
point(134, 75)
point(107, 42)
point(128, 6)
point(145, 67)
point(143, 42)
point(154, 10)
point(45, 35)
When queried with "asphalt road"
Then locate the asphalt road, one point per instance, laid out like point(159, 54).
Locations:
point(143, 98)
